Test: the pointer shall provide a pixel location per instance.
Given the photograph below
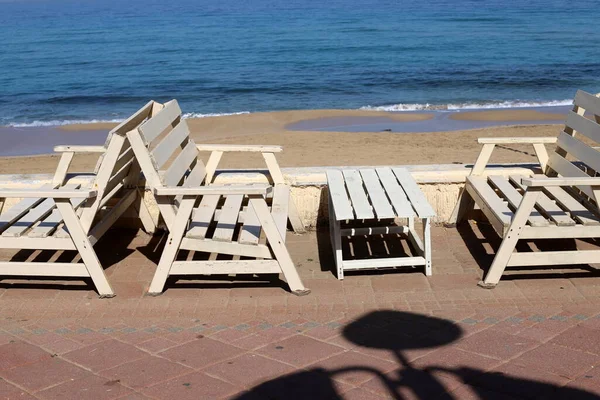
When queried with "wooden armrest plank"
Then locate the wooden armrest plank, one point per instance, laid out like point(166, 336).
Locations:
point(517, 140)
point(243, 148)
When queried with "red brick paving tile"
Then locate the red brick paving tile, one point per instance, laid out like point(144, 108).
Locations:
point(299, 350)
point(194, 386)
point(459, 281)
point(42, 374)
point(135, 337)
point(558, 360)
point(19, 353)
point(497, 344)
point(145, 372)
point(545, 330)
point(451, 357)
point(580, 338)
point(466, 392)
point(92, 387)
point(400, 282)
point(11, 392)
point(248, 370)
point(87, 338)
point(362, 394)
point(6, 338)
point(201, 352)
point(352, 359)
point(230, 335)
point(156, 344)
point(589, 381)
point(103, 355)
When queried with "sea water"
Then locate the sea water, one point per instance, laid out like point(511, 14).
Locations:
point(98, 60)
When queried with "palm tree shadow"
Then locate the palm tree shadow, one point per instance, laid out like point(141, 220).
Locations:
point(399, 332)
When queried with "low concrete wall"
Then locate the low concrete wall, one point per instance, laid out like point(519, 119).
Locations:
point(441, 185)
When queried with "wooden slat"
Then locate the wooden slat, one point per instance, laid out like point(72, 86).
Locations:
point(152, 128)
point(588, 102)
point(339, 196)
point(203, 217)
point(566, 169)
point(132, 122)
point(360, 203)
point(280, 207)
point(43, 269)
point(180, 165)
point(514, 199)
point(395, 193)
point(171, 142)
point(580, 150)
point(556, 213)
point(250, 233)
point(583, 126)
point(34, 215)
point(379, 200)
point(117, 178)
point(126, 156)
point(219, 267)
point(194, 179)
point(48, 225)
point(554, 258)
point(228, 219)
point(230, 248)
point(493, 202)
point(19, 209)
point(413, 192)
point(561, 232)
point(575, 208)
point(382, 263)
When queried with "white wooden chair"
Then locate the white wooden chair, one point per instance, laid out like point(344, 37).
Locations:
point(189, 205)
point(560, 203)
point(61, 216)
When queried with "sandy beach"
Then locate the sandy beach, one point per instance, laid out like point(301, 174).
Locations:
point(315, 148)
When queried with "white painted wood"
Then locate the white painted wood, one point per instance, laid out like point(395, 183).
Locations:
point(548, 206)
point(413, 192)
point(509, 242)
point(19, 209)
point(250, 233)
point(211, 165)
point(25, 242)
point(294, 216)
point(567, 170)
point(350, 265)
point(395, 193)
point(517, 140)
point(225, 190)
point(112, 216)
point(338, 195)
point(542, 154)
point(576, 209)
point(48, 193)
point(203, 216)
point(62, 169)
point(555, 258)
point(228, 219)
point(219, 267)
point(491, 200)
point(377, 196)
point(165, 118)
point(279, 208)
point(483, 158)
point(563, 232)
point(336, 240)
point(360, 203)
point(514, 199)
point(79, 149)
point(427, 246)
point(564, 181)
point(8, 268)
point(171, 249)
point(274, 169)
point(242, 148)
point(181, 165)
point(136, 119)
point(79, 237)
point(375, 230)
point(277, 243)
point(588, 102)
point(231, 248)
point(584, 126)
point(165, 149)
point(580, 150)
point(193, 179)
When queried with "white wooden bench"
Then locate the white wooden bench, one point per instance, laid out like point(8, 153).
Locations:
point(61, 216)
point(209, 219)
point(560, 203)
point(373, 196)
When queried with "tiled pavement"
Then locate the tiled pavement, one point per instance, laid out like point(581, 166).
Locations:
point(372, 336)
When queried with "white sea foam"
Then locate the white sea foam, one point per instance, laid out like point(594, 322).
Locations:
point(468, 106)
point(96, 121)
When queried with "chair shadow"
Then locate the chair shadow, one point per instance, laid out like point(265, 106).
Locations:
point(484, 258)
point(118, 239)
point(399, 332)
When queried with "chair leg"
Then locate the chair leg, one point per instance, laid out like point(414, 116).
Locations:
point(172, 246)
point(294, 216)
point(510, 240)
point(463, 204)
point(278, 246)
point(336, 241)
point(85, 248)
point(144, 214)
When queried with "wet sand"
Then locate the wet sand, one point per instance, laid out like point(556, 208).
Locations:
point(310, 148)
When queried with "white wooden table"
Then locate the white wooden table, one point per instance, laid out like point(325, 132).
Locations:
point(380, 198)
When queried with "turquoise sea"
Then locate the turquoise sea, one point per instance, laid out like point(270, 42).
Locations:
point(64, 61)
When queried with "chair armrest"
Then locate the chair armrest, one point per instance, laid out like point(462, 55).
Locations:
point(80, 149)
point(545, 182)
point(222, 190)
point(240, 148)
point(48, 193)
point(517, 140)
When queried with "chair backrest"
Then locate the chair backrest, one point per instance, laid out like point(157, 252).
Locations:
point(166, 153)
point(574, 157)
point(117, 168)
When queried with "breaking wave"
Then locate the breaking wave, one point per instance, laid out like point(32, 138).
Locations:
point(468, 106)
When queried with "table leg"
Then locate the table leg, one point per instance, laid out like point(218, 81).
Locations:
point(427, 245)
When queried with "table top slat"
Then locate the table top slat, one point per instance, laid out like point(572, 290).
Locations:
point(377, 195)
point(395, 193)
point(414, 193)
point(360, 202)
point(339, 196)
